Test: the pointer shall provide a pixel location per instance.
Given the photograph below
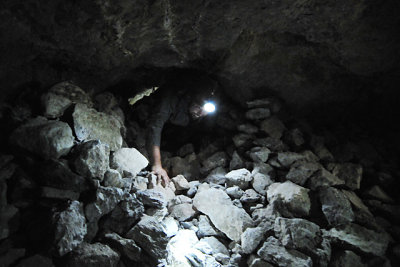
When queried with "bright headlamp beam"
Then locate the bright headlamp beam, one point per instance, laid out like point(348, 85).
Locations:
point(209, 107)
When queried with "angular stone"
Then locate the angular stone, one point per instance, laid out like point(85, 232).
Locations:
point(152, 198)
point(335, 206)
point(361, 212)
point(258, 113)
point(124, 215)
point(93, 159)
point(216, 176)
point(180, 183)
point(359, 238)
point(126, 247)
point(273, 252)
point(262, 177)
point(236, 162)
point(273, 144)
point(286, 159)
point(57, 174)
point(182, 212)
point(93, 255)
point(226, 217)
point(216, 245)
point(250, 196)
point(298, 234)
point(189, 166)
point(347, 258)
point(152, 236)
point(181, 251)
point(247, 128)
point(301, 171)
point(106, 102)
point(205, 228)
point(112, 178)
point(219, 159)
point(107, 198)
point(61, 96)
point(350, 173)
point(48, 139)
point(273, 127)
point(251, 238)
point(241, 178)
point(318, 146)
point(323, 178)
point(293, 197)
point(295, 137)
point(128, 161)
point(92, 125)
point(241, 140)
point(259, 154)
point(235, 192)
point(70, 228)
point(257, 262)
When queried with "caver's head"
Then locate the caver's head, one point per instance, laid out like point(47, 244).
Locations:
point(203, 104)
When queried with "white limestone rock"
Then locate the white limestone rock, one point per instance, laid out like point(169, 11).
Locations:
point(128, 161)
point(180, 182)
point(240, 178)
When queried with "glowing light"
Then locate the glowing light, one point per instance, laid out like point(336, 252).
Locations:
point(209, 107)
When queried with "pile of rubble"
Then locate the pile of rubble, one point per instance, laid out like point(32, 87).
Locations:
point(277, 196)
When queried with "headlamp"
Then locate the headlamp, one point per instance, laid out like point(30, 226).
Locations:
point(209, 107)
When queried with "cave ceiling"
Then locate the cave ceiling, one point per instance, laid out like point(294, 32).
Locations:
point(301, 50)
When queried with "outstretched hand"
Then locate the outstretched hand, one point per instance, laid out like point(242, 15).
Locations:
point(161, 174)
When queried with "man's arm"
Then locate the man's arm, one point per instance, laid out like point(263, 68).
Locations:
point(157, 166)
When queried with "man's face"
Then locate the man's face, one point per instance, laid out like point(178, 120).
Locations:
point(197, 111)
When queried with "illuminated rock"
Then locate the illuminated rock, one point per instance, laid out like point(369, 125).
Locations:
point(128, 161)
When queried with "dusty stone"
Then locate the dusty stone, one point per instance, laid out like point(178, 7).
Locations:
point(273, 252)
point(61, 96)
point(226, 217)
point(250, 196)
point(298, 234)
point(126, 247)
point(251, 238)
point(335, 206)
point(50, 192)
point(153, 235)
point(300, 172)
point(361, 212)
point(323, 178)
point(219, 159)
point(93, 160)
point(70, 228)
point(253, 261)
point(318, 146)
point(189, 166)
point(350, 173)
point(359, 238)
point(180, 248)
point(216, 245)
point(259, 154)
point(235, 192)
point(182, 212)
point(216, 176)
point(128, 161)
point(241, 140)
point(112, 178)
point(180, 183)
point(273, 127)
point(295, 137)
point(92, 125)
point(48, 139)
point(275, 145)
point(107, 103)
point(286, 159)
point(258, 114)
point(205, 227)
point(93, 255)
point(294, 197)
point(236, 162)
point(152, 198)
point(241, 178)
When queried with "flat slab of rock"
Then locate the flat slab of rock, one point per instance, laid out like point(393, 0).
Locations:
point(323, 178)
point(182, 212)
point(294, 197)
point(128, 161)
point(92, 125)
point(226, 217)
point(48, 139)
point(350, 173)
point(360, 238)
point(335, 206)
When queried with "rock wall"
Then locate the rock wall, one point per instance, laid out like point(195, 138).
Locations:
point(306, 52)
point(265, 190)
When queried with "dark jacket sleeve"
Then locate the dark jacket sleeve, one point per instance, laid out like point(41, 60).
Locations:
point(158, 119)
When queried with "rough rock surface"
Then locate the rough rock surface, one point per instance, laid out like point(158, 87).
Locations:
point(93, 255)
point(228, 218)
point(335, 206)
point(92, 125)
point(128, 161)
point(48, 139)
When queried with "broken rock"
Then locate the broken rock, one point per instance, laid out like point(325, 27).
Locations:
point(128, 161)
point(240, 178)
point(335, 206)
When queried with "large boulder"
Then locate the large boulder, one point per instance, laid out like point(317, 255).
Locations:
point(70, 228)
point(294, 198)
point(128, 161)
point(61, 96)
point(48, 139)
point(226, 217)
point(92, 125)
point(93, 159)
